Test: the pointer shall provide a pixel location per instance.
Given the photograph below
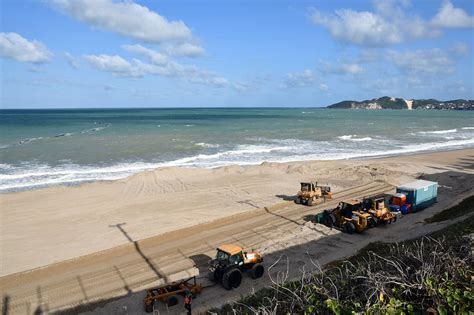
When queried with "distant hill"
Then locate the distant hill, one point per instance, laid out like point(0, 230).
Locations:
point(386, 102)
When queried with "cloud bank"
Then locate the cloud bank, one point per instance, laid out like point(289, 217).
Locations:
point(124, 18)
point(14, 46)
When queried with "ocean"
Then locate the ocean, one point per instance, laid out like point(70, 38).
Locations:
point(40, 148)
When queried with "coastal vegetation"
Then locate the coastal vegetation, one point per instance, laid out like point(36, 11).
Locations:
point(431, 274)
point(386, 102)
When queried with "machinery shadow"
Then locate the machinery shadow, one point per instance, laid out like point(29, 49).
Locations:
point(5, 304)
point(286, 197)
point(201, 262)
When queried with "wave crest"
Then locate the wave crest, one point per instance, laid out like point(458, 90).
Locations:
point(351, 138)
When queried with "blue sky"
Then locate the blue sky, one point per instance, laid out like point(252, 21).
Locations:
point(105, 53)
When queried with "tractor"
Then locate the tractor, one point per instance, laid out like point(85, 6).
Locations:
point(229, 264)
point(375, 206)
point(346, 216)
point(311, 192)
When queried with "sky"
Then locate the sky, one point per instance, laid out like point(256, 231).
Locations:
point(112, 53)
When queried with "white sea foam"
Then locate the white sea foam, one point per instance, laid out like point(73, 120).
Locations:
point(283, 150)
point(207, 145)
point(351, 138)
point(439, 131)
point(467, 128)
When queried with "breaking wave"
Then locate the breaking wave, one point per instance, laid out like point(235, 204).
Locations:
point(439, 131)
point(351, 138)
point(28, 176)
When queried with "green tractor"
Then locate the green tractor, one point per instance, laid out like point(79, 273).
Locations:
point(229, 264)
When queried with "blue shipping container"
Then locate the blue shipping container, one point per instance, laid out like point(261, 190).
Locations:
point(420, 194)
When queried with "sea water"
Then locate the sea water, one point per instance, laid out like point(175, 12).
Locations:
point(39, 148)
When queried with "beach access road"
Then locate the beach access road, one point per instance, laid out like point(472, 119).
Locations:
point(110, 274)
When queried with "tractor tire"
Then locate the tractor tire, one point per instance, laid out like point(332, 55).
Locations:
point(298, 200)
point(149, 307)
point(257, 271)
point(232, 279)
point(172, 301)
point(394, 219)
point(309, 202)
point(329, 221)
point(371, 223)
point(212, 276)
point(349, 228)
point(377, 222)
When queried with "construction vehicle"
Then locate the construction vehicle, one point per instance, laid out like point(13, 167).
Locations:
point(229, 264)
point(375, 206)
point(169, 293)
point(311, 192)
point(347, 216)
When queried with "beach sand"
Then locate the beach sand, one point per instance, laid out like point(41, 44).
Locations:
point(67, 222)
point(100, 245)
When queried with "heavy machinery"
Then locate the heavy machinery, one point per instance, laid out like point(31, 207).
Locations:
point(346, 216)
point(229, 264)
point(311, 192)
point(375, 206)
point(168, 293)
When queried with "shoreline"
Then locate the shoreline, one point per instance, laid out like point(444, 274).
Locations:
point(81, 183)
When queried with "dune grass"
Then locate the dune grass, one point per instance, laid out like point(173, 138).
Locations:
point(429, 274)
point(466, 206)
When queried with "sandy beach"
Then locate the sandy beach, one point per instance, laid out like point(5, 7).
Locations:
point(68, 222)
point(175, 212)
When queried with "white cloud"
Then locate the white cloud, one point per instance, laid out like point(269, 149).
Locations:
point(305, 78)
point(389, 23)
point(350, 68)
point(15, 46)
point(185, 49)
point(359, 27)
point(323, 87)
point(154, 56)
point(71, 60)
point(450, 17)
point(116, 65)
point(343, 68)
point(120, 67)
point(459, 49)
point(125, 18)
point(430, 61)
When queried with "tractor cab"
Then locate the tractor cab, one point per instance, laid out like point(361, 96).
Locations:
point(374, 203)
point(230, 255)
point(377, 208)
point(308, 187)
point(348, 207)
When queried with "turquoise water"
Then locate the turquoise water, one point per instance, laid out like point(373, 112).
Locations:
point(47, 147)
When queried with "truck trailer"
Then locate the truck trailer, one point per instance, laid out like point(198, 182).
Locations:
point(419, 194)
